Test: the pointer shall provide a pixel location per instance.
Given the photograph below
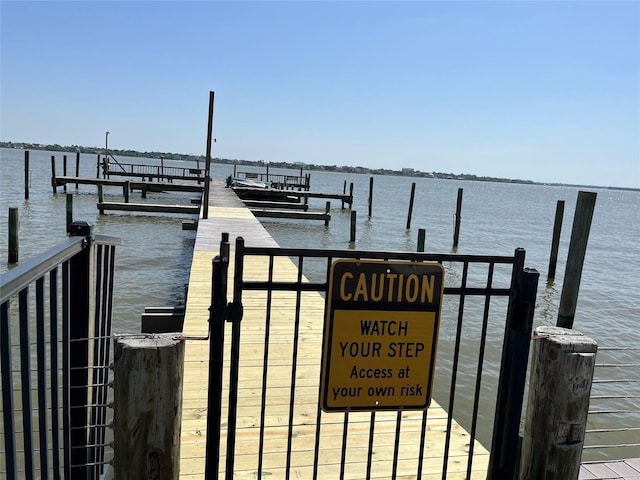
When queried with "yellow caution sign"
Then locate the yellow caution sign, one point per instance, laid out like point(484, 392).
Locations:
point(380, 335)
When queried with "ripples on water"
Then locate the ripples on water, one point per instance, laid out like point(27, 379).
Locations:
point(153, 262)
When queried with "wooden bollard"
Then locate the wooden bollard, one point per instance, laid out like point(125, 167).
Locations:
point(413, 192)
point(456, 232)
point(370, 195)
point(125, 191)
point(562, 367)
point(64, 170)
point(577, 248)
point(327, 207)
point(352, 236)
point(147, 402)
point(421, 235)
point(53, 174)
point(69, 211)
point(555, 242)
point(98, 167)
point(14, 235)
point(26, 174)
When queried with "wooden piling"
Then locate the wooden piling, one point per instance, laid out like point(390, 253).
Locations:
point(125, 190)
point(555, 242)
point(207, 169)
point(352, 237)
point(370, 195)
point(456, 233)
point(64, 170)
point(77, 166)
point(413, 191)
point(147, 402)
point(26, 174)
point(100, 199)
point(351, 196)
point(53, 174)
point(69, 211)
point(14, 235)
point(344, 192)
point(421, 236)
point(327, 207)
point(577, 248)
point(98, 167)
point(562, 367)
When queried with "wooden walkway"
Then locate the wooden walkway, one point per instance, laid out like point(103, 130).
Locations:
point(614, 470)
point(228, 214)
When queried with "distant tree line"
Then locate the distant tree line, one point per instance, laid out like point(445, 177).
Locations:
point(407, 172)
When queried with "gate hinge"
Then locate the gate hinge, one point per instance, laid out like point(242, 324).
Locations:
point(233, 312)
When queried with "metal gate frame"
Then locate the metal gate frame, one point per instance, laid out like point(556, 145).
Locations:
point(515, 350)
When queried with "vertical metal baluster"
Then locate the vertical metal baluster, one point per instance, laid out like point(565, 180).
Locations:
point(25, 377)
point(7, 393)
point(42, 388)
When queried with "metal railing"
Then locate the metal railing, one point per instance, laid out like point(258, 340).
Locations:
point(158, 172)
point(613, 430)
point(54, 384)
point(474, 282)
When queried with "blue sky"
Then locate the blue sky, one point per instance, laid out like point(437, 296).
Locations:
point(545, 91)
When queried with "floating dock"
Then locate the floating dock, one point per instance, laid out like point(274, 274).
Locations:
point(227, 213)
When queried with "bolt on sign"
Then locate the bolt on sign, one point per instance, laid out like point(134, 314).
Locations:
point(380, 335)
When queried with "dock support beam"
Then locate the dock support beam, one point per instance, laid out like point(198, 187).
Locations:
point(147, 402)
point(560, 386)
point(555, 242)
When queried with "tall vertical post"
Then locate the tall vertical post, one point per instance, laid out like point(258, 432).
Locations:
point(413, 191)
point(81, 329)
point(327, 207)
point(577, 248)
point(352, 236)
point(513, 370)
point(53, 174)
point(77, 166)
point(421, 235)
point(562, 365)
point(370, 195)
point(456, 232)
point(98, 167)
point(14, 235)
point(344, 192)
point(207, 169)
point(64, 170)
point(555, 242)
point(351, 196)
point(69, 211)
point(26, 174)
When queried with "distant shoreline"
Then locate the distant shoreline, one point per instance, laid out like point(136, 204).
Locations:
point(297, 165)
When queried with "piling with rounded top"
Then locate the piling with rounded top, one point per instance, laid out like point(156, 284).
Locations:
point(562, 367)
point(147, 402)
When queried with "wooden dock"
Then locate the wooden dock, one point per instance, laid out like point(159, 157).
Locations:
point(227, 213)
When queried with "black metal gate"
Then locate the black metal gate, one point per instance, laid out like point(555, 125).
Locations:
point(485, 331)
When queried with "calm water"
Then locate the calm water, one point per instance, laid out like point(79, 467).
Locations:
point(152, 263)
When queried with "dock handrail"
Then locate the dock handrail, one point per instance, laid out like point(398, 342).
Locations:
point(67, 357)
